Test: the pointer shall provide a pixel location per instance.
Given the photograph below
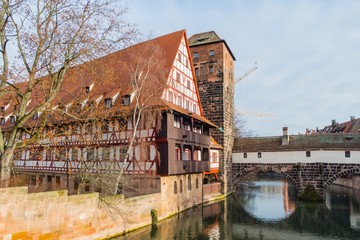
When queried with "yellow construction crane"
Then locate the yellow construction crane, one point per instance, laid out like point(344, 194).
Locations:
point(251, 113)
point(247, 73)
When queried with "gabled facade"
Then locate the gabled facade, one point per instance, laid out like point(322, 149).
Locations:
point(179, 143)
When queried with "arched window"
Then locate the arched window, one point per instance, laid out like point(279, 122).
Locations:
point(175, 187)
point(197, 183)
point(189, 182)
point(181, 186)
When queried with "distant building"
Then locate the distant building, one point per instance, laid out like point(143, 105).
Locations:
point(352, 126)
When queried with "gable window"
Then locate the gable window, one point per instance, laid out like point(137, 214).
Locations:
point(2, 109)
point(194, 108)
point(171, 97)
point(108, 103)
point(126, 100)
point(179, 100)
point(347, 154)
point(179, 57)
point(196, 55)
point(12, 119)
point(211, 53)
point(187, 104)
point(87, 89)
point(186, 63)
point(188, 84)
point(178, 76)
point(177, 123)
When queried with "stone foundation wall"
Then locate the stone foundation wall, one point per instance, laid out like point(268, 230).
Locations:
point(56, 215)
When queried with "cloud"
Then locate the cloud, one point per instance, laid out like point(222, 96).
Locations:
point(307, 52)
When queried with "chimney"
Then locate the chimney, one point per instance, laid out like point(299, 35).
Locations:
point(352, 118)
point(333, 123)
point(285, 137)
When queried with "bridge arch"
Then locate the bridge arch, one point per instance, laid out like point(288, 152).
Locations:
point(281, 170)
point(341, 174)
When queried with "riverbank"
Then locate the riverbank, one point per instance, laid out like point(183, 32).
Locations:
point(57, 215)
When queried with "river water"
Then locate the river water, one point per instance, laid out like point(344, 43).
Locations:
point(265, 209)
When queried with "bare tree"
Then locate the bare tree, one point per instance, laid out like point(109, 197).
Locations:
point(50, 37)
point(240, 130)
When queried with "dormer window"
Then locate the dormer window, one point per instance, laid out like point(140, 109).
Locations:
point(108, 103)
point(12, 119)
point(88, 88)
point(35, 116)
point(126, 100)
point(2, 121)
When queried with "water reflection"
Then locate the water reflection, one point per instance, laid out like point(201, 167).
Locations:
point(265, 210)
point(268, 200)
point(344, 204)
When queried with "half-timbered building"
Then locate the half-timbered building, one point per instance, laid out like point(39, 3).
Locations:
point(146, 91)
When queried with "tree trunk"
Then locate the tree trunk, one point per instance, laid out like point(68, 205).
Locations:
point(6, 166)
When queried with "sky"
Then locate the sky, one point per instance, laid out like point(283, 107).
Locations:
point(307, 53)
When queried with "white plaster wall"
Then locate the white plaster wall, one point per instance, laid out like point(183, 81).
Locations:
point(324, 156)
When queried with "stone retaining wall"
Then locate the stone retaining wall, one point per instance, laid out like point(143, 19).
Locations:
point(56, 215)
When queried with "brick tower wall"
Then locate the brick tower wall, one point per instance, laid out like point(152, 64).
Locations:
point(216, 90)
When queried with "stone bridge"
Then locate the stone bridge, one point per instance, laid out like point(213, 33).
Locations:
point(318, 174)
point(316, 160)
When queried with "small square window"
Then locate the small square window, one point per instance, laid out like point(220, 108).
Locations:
point(108, 103)
point(126, 100)
point(259, 155)
point(12, 119)
point(35, 116)
point(211, 70)
point(211, 53)
point(308, 154)
point(2, 121)
point(196, 55)
point(245, 155)
point(197, 71)
point(347, 154)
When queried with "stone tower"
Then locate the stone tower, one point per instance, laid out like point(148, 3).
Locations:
point(214, 69)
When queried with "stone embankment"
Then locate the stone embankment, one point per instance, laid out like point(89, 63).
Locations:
point(55, 215)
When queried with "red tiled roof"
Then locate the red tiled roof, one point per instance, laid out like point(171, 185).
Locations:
point(111, 75)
